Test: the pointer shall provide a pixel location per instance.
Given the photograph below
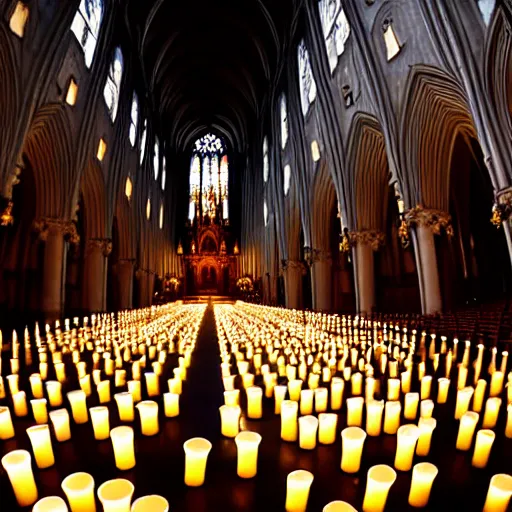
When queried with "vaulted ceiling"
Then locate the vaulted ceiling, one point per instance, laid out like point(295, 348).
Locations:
point(208, 65)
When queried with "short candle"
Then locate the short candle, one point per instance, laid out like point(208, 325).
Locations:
point(483, 446)
point(100, 422)
point(308, 427)
point(374, 410)
point(232, 397)
point(279, 396)
point(247, 444)
point(79, 490)
point(426, 426)
point(116, 495)
point(352, 439)
point(499, 493)
point(294, 387)
point(411, 405)
point(18, 467)
point(321, 399)
point(380, 480)
point(492, 410)
point(306, 401)
point(39, 410)
point(6, 425)
point(78, 402)
point(125, 406)
point(148, 411)
point(124, 452)
point(355, 411)
point(464, 396)
point(338, 506)
point(254, 402)
point(423, 476)
point(41, 445)
point(171, 405)
point(230, 420)
point(337, 388)
point(443, 386)
point(289, 412)
point(152, 503)
point(298, 485)
point(407, 437)
point(196, 455)
point(50, 504)
point(152, 384)
point(466, 432)
point(19, 402)
point(327, 423)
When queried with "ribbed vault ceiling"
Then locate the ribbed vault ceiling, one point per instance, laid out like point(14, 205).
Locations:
point(208, 65)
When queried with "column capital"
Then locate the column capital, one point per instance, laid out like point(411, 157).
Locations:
point(100, 244)
point(56, 226)
point(372, 237)
point(320, 256)
point(293, 265)
point(435, 220)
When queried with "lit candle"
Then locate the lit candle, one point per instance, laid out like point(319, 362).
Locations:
point(279, 395)
point(393, 390)
point(36, 385)
point(392, 412)
point(466, 432)
point(254, 402)
point(19, 402)
point(308, 427)
point(247, 444)
point(116, 495)
point(232, 397)
point(152, 503)
point(355, 411)
point(492, 410)
point(152, 384)
point(327, 423)
point(134, 388)
point(298, 485)
point(374, 410)
point(39, 410)
point(148, 411)
point(125, 406)
point(294, 387)
point(352, 440)
point(443, 386)
point(100, 422)
point(426, 408)
point(508, 426)
point(426, 426)
point(289, 412)
point(306, 401)
point(423, 475)
point(483, 445)
point(124, 452)
point(79, 490)
point(171, 405)
point(229, 382)
point(196, 455)
point(380, 480)
point(78, 402)
point(13, 381)
point(463, 398)
point(230, 420)
point(499, 493)
point(337, 388)
point(462, 377)
point(338, 506)
point(50, 504)
point(41, 445)
point(357, 384)
point(405, 379)
point(85, 385)
point(407, 437)
point(18, 466)
point(426, 386)
point(321, 399)
point(313, 380)
point(411, 405)
point(496, 384)
point(247, 380)
point(103, 389)
point(6, 425)
point(479, 396)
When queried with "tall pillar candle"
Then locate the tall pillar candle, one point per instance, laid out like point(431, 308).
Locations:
point(230, 420)
point(392, 412)
point(18, 467)
point(423, 476)
point(508, 426)
point(426, 426)
point(36, 385)
point(289, 412)
point(499, 493)
point(352, 440)
point(41, 445)
point(393, 389)
point(496, 386)
point(124, 452)
point(374, 410)
point(327, 423)
point(380, 480)
point(308, 427)
point(19, 402)
point(254, 402)
point(483, 446)
point(79, 491)
point(103, 389)
point(306, 401)
point(152, 384)
point(467, 426)
point(479, 396)
point(6, 425)
point(407, 437)
point(125, 406)
point(357, 384)
point(426, 386)
point(171, 405)
point(78, 402)
point(100, 422)
point(148, 411)
point(279, 396)
point(337, 388)
point(39, 410)
point(60, 422)
point(355, 411)
point(247, 444)
point(298, 485)
point(321, 399)
point(463, 398)
point(411, 405)
point(443, 386)
point(196, 456)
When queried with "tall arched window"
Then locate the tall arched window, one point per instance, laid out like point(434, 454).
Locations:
point(164, 172)
point(86, 26)
point(336, 29)
point(486, 8)
point(284, 121)
point(161, 216)
point(287, 178)
point(113, 85)
point(307, 81)
point(209, 179)
point(266, 165)
point(143, 141)
point(156, 158)
point(134, 119)
point(265, 213)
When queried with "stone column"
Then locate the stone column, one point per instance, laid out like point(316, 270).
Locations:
point(95, 285)
point(293, 272)
point(125, 283)
point(427, 223)
point(142, 278)
point(365, 243)
point(321, 276)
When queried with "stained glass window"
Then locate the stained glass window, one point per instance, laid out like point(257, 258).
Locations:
point(113, 85)
point(307, 81)
point(265, 212)
point(287, 177)
point(156, 158)
point(266, 165)
point(134, 119)
point(161, 216)
point(164, 173)
point(143, 141)
point(284, 121)
point(209, 177)
point(86, 26)
point(336, 29)
point(392, 44)
point(148, 209)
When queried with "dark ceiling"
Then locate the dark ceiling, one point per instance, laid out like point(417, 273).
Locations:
point(208, 65)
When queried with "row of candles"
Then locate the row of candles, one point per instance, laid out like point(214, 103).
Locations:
point(317, 357)
point(113, 348)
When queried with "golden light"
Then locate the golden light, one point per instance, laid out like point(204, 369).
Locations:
point(72, 92)
point(102, 149)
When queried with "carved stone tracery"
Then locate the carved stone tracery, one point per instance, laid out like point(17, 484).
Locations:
point(56, 226)
point(435, 220)
point(102, 244)
point(373, 237)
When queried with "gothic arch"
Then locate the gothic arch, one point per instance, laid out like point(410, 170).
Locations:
point(436, 111)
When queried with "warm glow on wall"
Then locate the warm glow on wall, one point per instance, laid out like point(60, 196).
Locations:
point(128, 189)
point(315, 151)
point(19, 19)
point(148, 209)
point(161, 217)
point(102, 149)
point(72, 92)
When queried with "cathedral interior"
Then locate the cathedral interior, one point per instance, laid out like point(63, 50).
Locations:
point(255, 255)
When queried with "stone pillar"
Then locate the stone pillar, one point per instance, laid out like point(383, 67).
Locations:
point(151, 287)
point(321, 277)
point(95, 283)
point(365, 243)
point(125, 284)
point(293, 272)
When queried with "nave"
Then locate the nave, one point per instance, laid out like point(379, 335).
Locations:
point(342, 371)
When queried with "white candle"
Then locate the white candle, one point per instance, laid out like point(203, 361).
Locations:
point(306, 401)
point(247, 444)
point(50, 504)
point(116, 495)
point(54, 390)
point(483, 446)
point(407, 437)
point(254, 402)
point(321, 399)
point(357, 384)
point(41, 445)
point(279, 395)
point(171, 405)
point(36, 385)
point(230, 420)
point(327, 423)
point(124, 452)
point(308, 427)
point(496, 384)
point(39, 410)
point(18, 466)
point(248, 380)
point(134, 388)
point(443, 386)
point(355, 411)
point(152, 503)
point(380, 480)
point(337, 388)
point(499, 493)
point(492, 410)
point(352, 440)
point(6, 425)
point(426, 386)
point(100, 422)
point(411, 405)
point(479, 396)
point(152, 384)
point(463, 398)
point(78, 402)
point(79, 490)
point(289, 412)
point(232, 397)
point(103, 389)
point(148, 411)
point(298, 485)
point(374, 410)
point(19, 402)
point(338, 506)
point(508, 427)
point(423, 475)
point(392, 412)
point(125, 406)
point(393, 389)
point(466, 432)
point(426, 426)
point(196, 455)
point(294, 387)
